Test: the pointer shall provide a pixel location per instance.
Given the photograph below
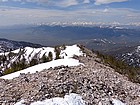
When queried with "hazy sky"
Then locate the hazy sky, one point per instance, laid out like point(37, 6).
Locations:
point(44, 11)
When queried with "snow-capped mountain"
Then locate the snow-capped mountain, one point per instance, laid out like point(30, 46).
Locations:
point(132, 58)
point(7, 45)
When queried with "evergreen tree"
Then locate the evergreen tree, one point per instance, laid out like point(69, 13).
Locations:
point(50, 56)
point(33, 62)
point(63, 47)
point(44, 59)
point(133, 73)
point(57, 51)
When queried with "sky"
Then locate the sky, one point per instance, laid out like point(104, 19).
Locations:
point(16, 12)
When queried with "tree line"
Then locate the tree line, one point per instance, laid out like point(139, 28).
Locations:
point(21, 64)
point(133, 73)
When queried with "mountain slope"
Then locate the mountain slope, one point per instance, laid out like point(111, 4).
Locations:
point(7, 45)
point(132, 58)
point(40, 67)
point(25, 57)
point(94, 81)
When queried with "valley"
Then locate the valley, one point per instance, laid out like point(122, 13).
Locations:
point(104, 38)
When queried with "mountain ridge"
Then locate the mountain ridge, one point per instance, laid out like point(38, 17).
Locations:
point(94, 81)
point(25, 57)
point(7, 45)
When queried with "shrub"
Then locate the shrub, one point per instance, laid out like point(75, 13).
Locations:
point(15, 66)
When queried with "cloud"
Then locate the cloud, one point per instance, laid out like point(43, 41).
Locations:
point(61, 3)
point(105, 10)
point(11, 16)
point(66, 3)
point(99, 2)
point(86, 1)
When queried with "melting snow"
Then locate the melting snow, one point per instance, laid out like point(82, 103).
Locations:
point(66, 54)
point(70, 51)
point(72, 99)
point(40, 67)
point(117, 102)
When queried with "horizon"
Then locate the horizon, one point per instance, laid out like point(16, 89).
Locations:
point(26, 12)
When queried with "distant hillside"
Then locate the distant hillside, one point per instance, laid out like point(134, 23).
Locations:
point(131, 57)
point(57, 34)
point(7, 45)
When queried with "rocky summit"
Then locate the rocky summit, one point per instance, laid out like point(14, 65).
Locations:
point(95, 82)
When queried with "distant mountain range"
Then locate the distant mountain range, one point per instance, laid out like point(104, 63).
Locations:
point(115, 40)
point(51, 35)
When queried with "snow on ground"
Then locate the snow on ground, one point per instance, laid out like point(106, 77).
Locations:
point(65, 54)
point(117, 102)
point(31, 52)
point(40, 67)
point(20, 103)
point(70, 51)
point(28, 53)
point(72, 99)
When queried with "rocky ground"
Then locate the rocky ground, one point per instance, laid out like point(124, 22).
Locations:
point(96, 83)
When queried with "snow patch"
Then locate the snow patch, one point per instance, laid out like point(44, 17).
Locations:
point(138, 49)
point(40, 67)
point(29, 53)
point(70, 51)
point(20, 103)
point(117, 102)
point(72, 99)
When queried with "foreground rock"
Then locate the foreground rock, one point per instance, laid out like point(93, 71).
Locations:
point(95, 82)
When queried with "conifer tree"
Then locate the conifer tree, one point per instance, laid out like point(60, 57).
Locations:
point(57, 51)
point(50, 56)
